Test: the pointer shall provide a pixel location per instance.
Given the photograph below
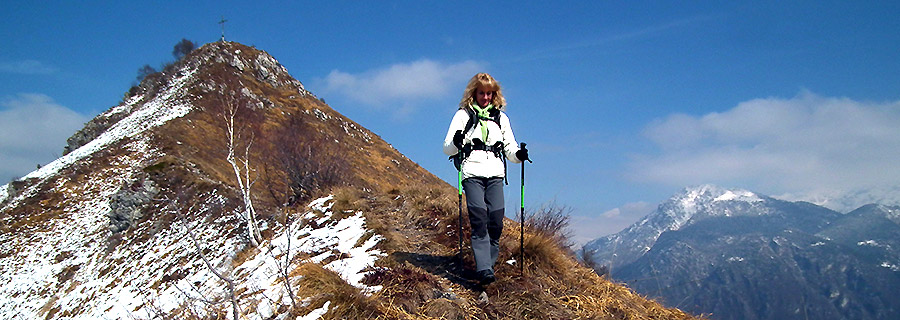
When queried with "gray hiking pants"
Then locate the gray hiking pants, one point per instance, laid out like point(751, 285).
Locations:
point(484, 199)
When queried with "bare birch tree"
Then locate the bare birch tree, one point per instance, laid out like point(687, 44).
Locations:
point(242, 170)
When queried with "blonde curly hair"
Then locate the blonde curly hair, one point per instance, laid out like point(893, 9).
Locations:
point(483, 80)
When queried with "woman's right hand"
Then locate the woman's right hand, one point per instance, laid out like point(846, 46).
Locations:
point(458, 139)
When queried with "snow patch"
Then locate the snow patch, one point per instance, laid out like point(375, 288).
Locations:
point(4, 192)
point(891, 266)
point(343, 235)
point(738, 195)
point(318, 313)
point(871, 243)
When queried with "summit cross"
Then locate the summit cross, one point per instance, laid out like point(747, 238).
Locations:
point(222, 22)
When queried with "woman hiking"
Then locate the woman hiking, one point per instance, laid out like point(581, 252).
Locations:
point(481, 135)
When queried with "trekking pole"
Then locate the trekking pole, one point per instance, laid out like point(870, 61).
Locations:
point(459, 224)
point(522, 218)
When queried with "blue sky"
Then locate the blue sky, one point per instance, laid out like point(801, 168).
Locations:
point(622, 103)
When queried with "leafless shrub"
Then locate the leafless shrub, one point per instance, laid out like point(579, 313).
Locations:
point(588, 258)
point(551, 220)
point(144, 71)
point(309, 164)
point(302, 166)
point(225, 276)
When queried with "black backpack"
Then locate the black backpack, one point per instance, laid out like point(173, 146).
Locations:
point(494, 115)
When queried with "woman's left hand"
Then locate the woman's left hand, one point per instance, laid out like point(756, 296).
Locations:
point(522, 154)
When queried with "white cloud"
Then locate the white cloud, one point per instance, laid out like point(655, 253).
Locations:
point(404, 84)
point(587, 228)
point(630, 210)
point(33, 130)
point(26, 67)
point(808, 145)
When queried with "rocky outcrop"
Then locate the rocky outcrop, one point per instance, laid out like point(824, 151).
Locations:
point(127, 205)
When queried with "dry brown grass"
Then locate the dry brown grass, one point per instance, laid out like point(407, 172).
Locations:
point(422, 277)
point(321, 285)
point(408, 287)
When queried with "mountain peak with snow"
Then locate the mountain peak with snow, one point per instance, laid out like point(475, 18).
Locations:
point(701, 202)
point(692, 205)
point(727, 242)
point(692, 198)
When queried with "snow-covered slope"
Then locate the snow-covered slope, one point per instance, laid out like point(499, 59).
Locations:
point(143, 115)
point(124, 284)
point(62, 257)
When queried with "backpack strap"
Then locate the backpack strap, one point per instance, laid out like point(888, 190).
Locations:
point(495, 117)
point(471, 122)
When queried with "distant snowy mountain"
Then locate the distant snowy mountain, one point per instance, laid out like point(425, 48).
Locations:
point(739, 255)
point(690, 206)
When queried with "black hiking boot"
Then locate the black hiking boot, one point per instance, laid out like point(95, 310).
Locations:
point(486, 277)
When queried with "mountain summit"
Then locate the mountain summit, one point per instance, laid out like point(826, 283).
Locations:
point(221, 188)
point(735, 254)
point(691, 205)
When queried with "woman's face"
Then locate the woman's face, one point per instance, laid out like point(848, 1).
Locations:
point(483, 96)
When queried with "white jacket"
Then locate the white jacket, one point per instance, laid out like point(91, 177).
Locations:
point(482, 163)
